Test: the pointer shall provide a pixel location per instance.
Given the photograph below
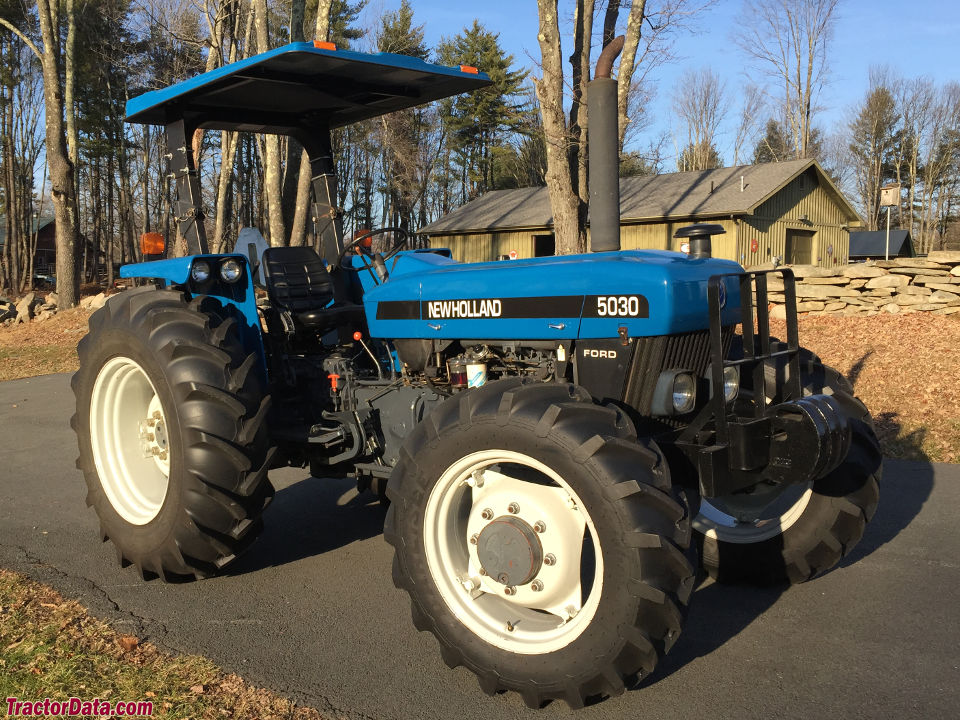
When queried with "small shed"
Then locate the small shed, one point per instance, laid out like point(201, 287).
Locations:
point(789, 210)
point(872, 245)
point(44, 229)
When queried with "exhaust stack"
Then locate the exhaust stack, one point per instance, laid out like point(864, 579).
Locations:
point(604, 152)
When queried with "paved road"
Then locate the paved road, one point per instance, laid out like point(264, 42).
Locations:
point(311, 611)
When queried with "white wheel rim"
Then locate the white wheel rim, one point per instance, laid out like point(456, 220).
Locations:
point(529, 621)
point(128, 435)
point(730, 520)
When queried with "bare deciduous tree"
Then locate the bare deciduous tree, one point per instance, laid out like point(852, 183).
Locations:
point(62, 186)
point(789, 40)
point(748, 121)
point(700, 101)
point(568, 221)
point(270, 143)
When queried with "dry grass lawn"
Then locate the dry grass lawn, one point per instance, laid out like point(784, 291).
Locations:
point(51, 648)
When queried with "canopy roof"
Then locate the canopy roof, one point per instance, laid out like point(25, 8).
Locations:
point(301, 86)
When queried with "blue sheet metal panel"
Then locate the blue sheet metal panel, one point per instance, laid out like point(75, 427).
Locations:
point(152, 100)
point(176, 271)
point(547, 298)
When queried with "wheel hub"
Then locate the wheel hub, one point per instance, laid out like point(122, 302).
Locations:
point(510, 551)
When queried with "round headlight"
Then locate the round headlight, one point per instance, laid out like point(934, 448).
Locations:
point(731, 383)
point(231, 270)
point(200, 271)
point(684, 393)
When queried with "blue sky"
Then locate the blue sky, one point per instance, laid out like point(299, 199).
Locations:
point(917, 37)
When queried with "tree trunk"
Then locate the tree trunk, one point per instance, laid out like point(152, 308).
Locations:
point(271, 144)
point(628, 63)
point(61, 169)
point(301, 208)
point(569, 232)
point(580, 76)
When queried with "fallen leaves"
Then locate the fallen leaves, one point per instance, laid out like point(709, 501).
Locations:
point(906, 368)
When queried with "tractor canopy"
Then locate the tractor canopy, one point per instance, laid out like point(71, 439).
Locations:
point(300, 85)
point(303, 90)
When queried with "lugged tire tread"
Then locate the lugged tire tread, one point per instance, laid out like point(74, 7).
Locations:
point(831, 541)
point(667, 575)
point(226, 496)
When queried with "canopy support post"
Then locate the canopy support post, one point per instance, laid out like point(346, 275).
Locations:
point(183, 170)
point(323, 172)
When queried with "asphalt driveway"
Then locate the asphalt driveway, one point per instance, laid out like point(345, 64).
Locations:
point(311, 611)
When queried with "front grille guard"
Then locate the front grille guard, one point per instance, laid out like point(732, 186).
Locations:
point(757, 351)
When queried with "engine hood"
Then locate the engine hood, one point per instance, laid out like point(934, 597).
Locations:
point(650, 292)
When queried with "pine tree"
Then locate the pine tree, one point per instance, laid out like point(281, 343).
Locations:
point(478, 122)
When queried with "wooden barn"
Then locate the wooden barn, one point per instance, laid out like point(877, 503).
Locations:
point(789, 210)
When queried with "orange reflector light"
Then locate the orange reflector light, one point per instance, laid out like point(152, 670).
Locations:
point(358, 335)
point(152, 243)
point(469, 69)
point(324, 45)
point(367, 243)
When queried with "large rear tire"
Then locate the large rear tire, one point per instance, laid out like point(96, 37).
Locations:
point(597, 591)
point(171, 427)
point(793, 533)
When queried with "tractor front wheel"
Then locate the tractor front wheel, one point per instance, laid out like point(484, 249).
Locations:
point(170, 424)
point(791, 533)
point(539, 541)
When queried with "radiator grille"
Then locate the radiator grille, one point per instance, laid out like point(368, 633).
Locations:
point(653, 355)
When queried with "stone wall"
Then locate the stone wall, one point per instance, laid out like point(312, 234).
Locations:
point(903, 285)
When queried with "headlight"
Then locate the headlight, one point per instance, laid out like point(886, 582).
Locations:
point(200, 271)
point(731, 383)
point(231, 270)
point(684, 393)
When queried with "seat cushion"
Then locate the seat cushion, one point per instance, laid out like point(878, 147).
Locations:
point(350, 317)
point(296, 279)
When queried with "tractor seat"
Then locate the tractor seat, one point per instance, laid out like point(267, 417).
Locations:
point(299, 283)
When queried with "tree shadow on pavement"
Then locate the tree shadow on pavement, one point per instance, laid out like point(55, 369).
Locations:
point(311, 517)
point(719, 612)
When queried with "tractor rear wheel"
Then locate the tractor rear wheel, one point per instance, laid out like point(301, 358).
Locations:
point(539, 541)
point(171, 427)
point(791, 533)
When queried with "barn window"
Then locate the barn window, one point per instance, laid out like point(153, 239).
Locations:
point(544, 246)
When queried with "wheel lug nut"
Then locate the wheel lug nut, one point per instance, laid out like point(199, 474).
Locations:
point(150, 437)
point(163, 455)
point(503, 578)
point(157, 415)
point(487, 514)
point(540, 526)
point(550, 559)
point(513, 508)
point(481, 571)
point(510, 590)
point(474, 538)
point(536, 586)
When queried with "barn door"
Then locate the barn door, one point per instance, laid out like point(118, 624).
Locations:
point(799, 248)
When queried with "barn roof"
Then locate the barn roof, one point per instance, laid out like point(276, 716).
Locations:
point(702, 194)
point(873, 244)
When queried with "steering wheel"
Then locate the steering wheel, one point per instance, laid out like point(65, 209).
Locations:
point(375, 265)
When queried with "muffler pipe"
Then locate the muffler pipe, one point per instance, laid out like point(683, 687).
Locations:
point(604, 152)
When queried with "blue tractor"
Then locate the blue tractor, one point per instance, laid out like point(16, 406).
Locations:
point(562, 441)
